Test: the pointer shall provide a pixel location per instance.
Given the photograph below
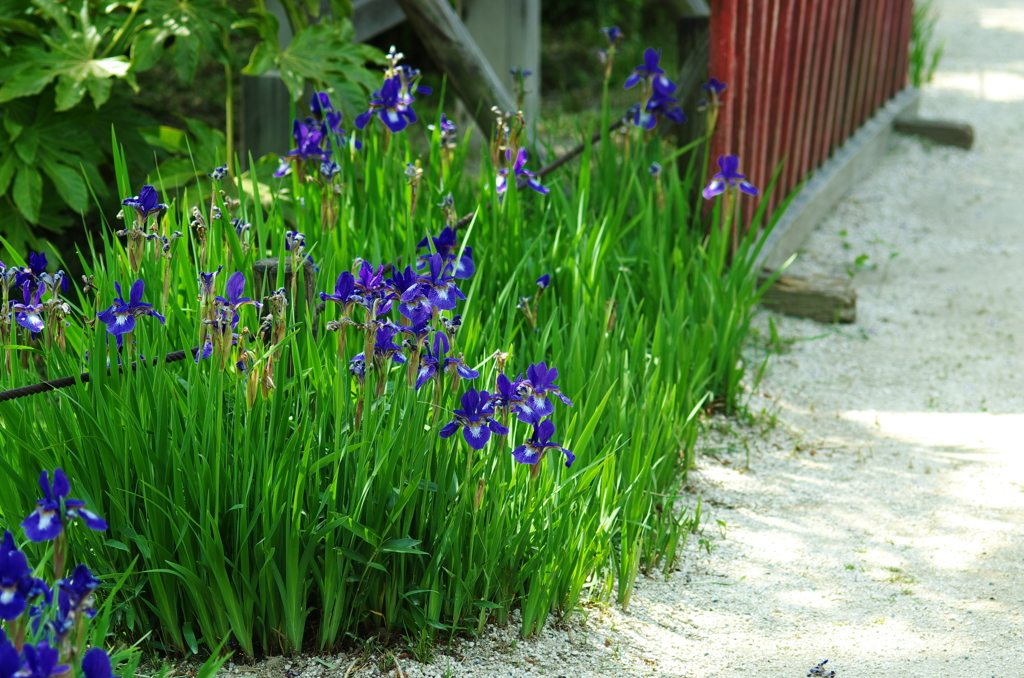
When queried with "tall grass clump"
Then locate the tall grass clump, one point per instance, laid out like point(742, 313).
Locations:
point(925, 50)
point(474, 414)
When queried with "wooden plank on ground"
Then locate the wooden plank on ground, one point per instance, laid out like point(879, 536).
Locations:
point(943, 132)
point(820, 298)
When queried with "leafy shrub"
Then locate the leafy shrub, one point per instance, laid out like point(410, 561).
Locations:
point(68, 70)
point(291, 482)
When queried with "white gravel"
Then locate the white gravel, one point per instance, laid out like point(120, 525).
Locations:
point(874, 507)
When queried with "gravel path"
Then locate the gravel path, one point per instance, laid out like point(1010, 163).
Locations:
point(874, 508)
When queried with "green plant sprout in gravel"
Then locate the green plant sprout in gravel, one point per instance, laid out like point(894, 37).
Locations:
point(382, 440)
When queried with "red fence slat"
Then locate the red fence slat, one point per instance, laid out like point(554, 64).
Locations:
point(803, 76)
point(781, 75)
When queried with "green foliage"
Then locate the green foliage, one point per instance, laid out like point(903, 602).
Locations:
point(280, 523)
point(57, 53)
point(323, 54)
point(46, 158)
point(924, 54)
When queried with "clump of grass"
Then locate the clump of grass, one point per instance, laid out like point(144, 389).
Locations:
point(280, 492)
point(925, 51)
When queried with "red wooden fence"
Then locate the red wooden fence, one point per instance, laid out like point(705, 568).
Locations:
point(803, 76)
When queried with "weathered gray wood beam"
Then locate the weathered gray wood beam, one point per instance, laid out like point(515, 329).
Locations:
point(373, 17)
point(454, 50)
point(695, 8)
point(944, 132)
point(827, 300)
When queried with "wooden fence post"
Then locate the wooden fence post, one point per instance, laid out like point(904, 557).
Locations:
point(458, 55)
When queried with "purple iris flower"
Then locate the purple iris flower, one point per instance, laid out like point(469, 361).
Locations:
point(432, 360)
point(294, 239)
point(120, 317)
point(436, 360)
point(452, 325)
point(28, 315)
point(284, 168)
point(329, 170)
point(78, 589)
point(47, 521)
point(240, 226)
point(437, 285)
point(146, 204)
point(541, 382)
point(476, 419)
point(544, 281)
point(222, 323)
point(392, 105)
point(319, 105)
point(714, 87)
point(728, 178)
point(40, 661)
point(308, 138)
point(649, 70)
point(369, 281)
point(372, 292)
point(357, 367)
point(17, 585)
point(10, 660)
point(418, 331)
point(448, 132)
point(384, 346)
point(659, 103)
point(218, 173)
point(410, 78)
point(234, 289)
point(344, 290)
point(7, 275)
point(534, 449)
point(654, 170)
point(446, 244)
point(416, 306)
point(96, 664)
point(74, 601)
point(510, 394)
point(206, 282)
point(34, 273)
point(613, 34)
point(207, 349)
point(334, 122)
point(522, 175)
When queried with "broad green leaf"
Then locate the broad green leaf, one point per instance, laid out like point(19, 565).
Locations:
point(341, 9)
point(7, 167)
point(19, 26)
point(190, 638)
point(69, 92)
point(262, 59)
point(27, 144)
point(13, 128)
point(186, 57)
point(29, 80)
point(173, 173)
point(69, 184)
point(28, 193)
point(147, 48)
point(168, 138)
point(99, 89)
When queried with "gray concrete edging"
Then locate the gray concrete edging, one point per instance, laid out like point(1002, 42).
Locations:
point(851, 163)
